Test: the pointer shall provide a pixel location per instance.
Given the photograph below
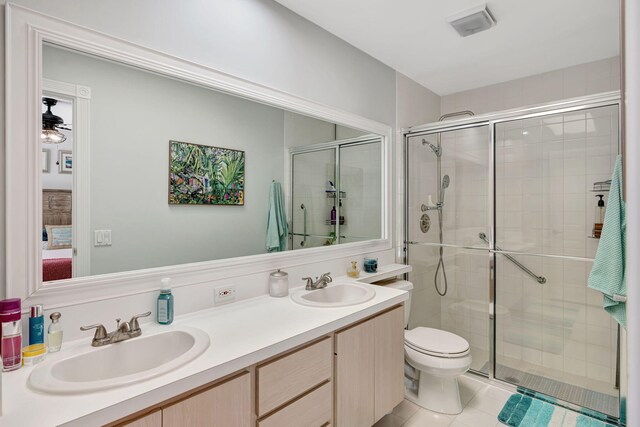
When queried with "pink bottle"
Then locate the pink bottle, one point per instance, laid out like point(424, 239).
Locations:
point(11, 334)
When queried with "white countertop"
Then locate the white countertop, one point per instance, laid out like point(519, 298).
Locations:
point(241, 334)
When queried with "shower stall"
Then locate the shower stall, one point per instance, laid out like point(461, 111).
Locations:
point(499, 229)
point(336, 192)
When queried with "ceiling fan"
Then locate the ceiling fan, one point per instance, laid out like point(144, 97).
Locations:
point(52, 124)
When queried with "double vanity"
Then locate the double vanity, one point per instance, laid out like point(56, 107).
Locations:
point(332, 356)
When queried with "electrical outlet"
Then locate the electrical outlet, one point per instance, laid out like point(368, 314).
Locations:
point(224, 294)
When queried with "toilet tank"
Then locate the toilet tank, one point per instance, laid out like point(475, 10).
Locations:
point(404, 285)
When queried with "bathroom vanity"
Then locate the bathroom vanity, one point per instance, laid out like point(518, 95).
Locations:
point(270, 361)
point(358, 367)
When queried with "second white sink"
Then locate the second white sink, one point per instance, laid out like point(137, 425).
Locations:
point(120, 364)
point(335, 295)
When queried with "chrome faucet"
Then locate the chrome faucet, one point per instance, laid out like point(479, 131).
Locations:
point(319, 283)
point(123, 332)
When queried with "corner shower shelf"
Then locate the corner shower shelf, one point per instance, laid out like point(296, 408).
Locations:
point(333, 222)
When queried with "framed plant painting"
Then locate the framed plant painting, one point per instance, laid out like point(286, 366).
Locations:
point(204, 175)
point(65, 161)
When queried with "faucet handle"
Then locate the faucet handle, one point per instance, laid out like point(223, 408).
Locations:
point(309, 282)
point(134, 321)
point(327, 276)
point(101, 332)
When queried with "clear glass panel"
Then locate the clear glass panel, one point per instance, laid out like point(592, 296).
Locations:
point(451, 168)
point(464, 310)
point(311, 208)
point(361, 192)
point(546, 169)
point(555, 338)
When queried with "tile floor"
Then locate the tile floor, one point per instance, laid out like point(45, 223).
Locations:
point(482, 402)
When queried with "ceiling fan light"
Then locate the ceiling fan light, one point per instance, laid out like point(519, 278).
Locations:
point(52, 136)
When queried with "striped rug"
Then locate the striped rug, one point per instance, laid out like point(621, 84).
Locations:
point(601, 402)
point(525, 411)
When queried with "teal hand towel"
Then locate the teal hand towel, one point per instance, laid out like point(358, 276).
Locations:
point(277, 228)
point(608, 272)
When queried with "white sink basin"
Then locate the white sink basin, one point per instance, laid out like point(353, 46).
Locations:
point(334, 295)
point(120, 364)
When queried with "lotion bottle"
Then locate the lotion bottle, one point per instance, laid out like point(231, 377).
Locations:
point(54, 333)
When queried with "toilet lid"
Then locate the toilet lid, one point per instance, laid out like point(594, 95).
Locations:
point(436, 342)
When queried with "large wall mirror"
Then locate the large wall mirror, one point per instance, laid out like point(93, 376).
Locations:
point(141, 167)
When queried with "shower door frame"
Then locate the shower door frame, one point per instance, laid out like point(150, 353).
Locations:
point(605, 99)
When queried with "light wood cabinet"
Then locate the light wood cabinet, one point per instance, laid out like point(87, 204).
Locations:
point(153, 419)
point(369, 369)
point(354, 376)
point(224, 405)
point(287, 377)
point(389, 361)
point(313, 409)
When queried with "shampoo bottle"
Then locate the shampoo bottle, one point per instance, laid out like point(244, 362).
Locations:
point(599, 217)
point(165, 303)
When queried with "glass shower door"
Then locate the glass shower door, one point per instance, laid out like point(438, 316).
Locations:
point(447, 210)
point(360, 201)
point(552, 335)
point(313, 173)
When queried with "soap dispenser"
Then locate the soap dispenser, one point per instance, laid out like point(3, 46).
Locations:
point(165, 303)
point(599, 217)
point(353, 270)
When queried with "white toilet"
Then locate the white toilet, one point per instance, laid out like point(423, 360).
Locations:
point(439, 358)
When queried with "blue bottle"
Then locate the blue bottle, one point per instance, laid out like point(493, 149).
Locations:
point(36, 324)
point(165, 303)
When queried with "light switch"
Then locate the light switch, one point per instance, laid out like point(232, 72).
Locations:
point(97, 237)
point(102, 238)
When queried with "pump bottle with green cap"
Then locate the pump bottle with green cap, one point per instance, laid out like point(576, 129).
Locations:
point(165, 303)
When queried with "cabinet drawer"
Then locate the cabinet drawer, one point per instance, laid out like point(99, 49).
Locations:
point(312, 410)
point(224, 405)
point(283, 379)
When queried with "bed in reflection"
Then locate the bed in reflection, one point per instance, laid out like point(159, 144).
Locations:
point(56, 235)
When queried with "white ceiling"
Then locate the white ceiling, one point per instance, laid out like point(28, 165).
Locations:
point(414, 37)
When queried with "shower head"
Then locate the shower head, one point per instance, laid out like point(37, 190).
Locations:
point(437, 150)
point(445, 181)
point(445, 184)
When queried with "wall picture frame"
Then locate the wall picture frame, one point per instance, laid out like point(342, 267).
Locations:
point(65, 161)
point(205, 175)
point(45, 157)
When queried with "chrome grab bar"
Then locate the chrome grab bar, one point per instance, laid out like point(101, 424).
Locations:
point(304, 225)
point(540, 279)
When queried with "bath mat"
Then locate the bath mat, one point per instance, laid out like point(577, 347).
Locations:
point(525, 411)
point(601, 402)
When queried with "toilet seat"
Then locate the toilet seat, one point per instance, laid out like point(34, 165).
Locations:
point(436, 343)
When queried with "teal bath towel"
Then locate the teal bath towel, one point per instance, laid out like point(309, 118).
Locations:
point(608, 272)
point(277, 228)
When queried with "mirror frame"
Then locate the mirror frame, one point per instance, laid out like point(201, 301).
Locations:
point(26, 31)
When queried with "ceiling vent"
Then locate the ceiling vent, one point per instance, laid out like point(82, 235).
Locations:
point(472, 21)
